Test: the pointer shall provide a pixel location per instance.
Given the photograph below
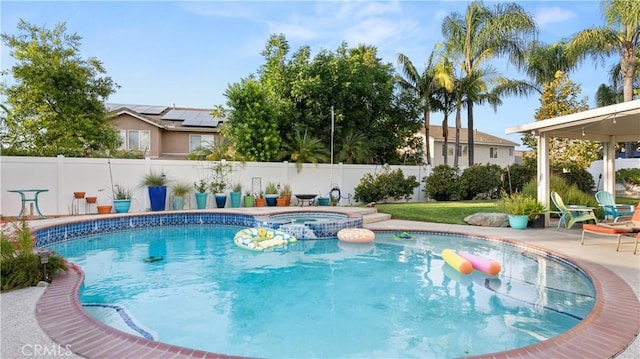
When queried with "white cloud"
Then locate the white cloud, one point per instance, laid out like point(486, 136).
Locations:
point(549, 15)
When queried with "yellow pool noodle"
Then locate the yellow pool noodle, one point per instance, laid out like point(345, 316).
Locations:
point(456, 262)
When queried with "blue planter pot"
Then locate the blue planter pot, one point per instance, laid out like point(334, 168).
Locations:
point(236, 198)
point(158, 197)
point(518, 222)
point(221, 200)
point(201, 200)
point(272, 199)
point(121, 205)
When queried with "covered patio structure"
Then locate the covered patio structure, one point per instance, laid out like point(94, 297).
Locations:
point(608, 125)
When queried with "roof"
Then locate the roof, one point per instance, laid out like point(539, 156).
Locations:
point(171, 118)
point(621, 120)
point(479, 138)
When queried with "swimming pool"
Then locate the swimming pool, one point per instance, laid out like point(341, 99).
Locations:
point(406, 277)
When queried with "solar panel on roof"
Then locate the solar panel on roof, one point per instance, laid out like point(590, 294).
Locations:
point(174, 115)
point(143, 109)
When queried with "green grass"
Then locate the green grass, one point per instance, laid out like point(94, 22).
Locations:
point(450, 212)
point(437, 212)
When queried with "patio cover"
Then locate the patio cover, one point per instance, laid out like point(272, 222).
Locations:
point(609, 125)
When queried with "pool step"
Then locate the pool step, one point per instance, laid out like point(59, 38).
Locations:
point(375, 217)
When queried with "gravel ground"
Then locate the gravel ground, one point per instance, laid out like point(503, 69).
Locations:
point(21, 335)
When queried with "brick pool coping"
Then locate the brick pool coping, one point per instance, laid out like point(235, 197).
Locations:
point(607, 331)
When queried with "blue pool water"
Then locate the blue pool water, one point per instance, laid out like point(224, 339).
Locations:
point(324, 298)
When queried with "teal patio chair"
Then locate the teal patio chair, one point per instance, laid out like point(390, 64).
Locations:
point(609, 206)
point(572, 214)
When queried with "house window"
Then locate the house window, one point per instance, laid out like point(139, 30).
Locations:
point(493, 152)
point(137, 140)
point(123, 140)
point(196, 141)
point(463, 151)
point(448, 150)
point(510, 152)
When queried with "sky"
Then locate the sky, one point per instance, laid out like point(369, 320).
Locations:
point(188, 53)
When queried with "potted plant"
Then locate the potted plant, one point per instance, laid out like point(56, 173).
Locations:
point(271, 193)
point(249, 199)
point(236, 195)
point(201, 193)
point(220, 182)
point(520, 209)
point(260, 201)
point(286, 194)
point(179, 190)
point(122, 198)
point(157, 187)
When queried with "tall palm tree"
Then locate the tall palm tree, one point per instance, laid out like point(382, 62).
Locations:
point(482, 34)
point(621, 36)
point(424, 85)
point(544, 60)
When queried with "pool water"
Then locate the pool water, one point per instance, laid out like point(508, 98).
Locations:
point(324, 298)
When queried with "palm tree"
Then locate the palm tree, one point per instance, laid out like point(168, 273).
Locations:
point(355, 148)
point(302, 148)
point(482, 34)
point(434, 76)
point(622, 36)
point(544, 60)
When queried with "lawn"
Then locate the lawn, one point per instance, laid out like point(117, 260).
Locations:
point(450, 212)
point(437, 212)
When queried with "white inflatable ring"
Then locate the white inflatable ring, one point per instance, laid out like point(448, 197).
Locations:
point(356, 235)
point(259, 239)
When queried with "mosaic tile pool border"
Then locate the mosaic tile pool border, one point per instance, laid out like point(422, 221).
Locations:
point(64, 232)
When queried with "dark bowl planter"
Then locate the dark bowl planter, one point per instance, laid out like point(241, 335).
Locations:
point(221, 200)
point(272, 199)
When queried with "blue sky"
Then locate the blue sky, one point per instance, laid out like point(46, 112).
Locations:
point(187, 53)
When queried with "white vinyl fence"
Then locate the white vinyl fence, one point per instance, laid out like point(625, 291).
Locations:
point(62, 176)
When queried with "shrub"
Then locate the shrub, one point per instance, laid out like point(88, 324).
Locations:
point(442, 184)
point(20, 267)
point(570, 193)
point(579, 177)
point(629, 177)
point(480, 181)
point(384, 185)
point(521, 204)
point(516, 176)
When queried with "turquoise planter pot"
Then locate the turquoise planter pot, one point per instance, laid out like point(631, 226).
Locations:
point(236, 198)
point(323, 201)
point(178, 203)
point(201, 200)
point(518, 221)
point(121, 205)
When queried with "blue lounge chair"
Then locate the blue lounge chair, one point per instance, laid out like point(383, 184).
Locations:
point(609, 206)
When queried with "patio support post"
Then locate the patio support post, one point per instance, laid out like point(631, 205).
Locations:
point(543, 173)
point(609, 166)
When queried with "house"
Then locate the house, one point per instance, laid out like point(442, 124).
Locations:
point(164, 132)
point(488, 148)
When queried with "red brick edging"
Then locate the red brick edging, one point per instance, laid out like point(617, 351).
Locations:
point(609, 328)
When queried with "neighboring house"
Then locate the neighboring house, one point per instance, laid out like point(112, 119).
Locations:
point(488, 148)
point(164, 132)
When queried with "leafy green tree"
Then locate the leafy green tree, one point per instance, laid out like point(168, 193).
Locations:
point(482, 34)
point(544, 60)
point(435, 76)
point(55, 107)
point(253, 121)
point(560, 98)
point(355, 148)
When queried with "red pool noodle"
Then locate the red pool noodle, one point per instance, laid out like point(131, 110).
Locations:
point(482, 264)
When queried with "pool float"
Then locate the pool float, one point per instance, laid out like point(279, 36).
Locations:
point(482, 264)
point(402, 235)
point(152, 259)
point(356, 235)
point(259, 239)
point(456, 262)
